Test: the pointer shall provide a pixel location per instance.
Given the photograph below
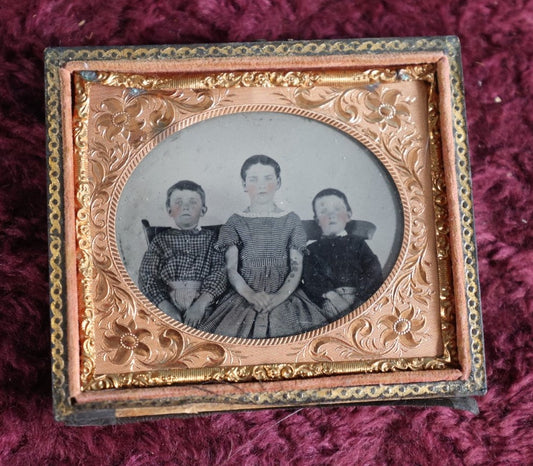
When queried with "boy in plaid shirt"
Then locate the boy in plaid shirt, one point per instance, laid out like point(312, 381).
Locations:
point(181, 272)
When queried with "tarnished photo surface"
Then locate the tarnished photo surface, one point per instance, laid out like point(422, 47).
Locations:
point(313, 159)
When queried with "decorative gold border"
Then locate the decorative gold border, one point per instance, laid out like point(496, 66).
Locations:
point(57, 58)
point(56, 234)
point(238, 79)
point(261, 373)
point(89, 381)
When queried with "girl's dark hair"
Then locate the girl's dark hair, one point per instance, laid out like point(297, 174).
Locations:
point(185, 185)
point(261, 159)
point(331, 192)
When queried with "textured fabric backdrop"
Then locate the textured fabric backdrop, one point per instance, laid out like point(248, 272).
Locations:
point(497, 51)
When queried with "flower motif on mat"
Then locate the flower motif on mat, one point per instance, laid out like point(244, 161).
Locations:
point(126, 342)
point(129, 346)
point(400, 328)
point(386, 108)
point(120, 116)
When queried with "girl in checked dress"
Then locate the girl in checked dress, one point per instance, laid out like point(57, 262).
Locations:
point(263, 248)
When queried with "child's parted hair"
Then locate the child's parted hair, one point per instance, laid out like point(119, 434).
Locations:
point(185, 185)
point(331, 192)
point(261, 159)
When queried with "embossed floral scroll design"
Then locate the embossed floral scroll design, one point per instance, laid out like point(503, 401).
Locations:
point(129, 342)
point(138, 115)
point(393, 332)
point(212, 374)
point(121, 117)
point(125, 342)
point(385, 107)
point(121, 124)
point(401, 329)
point(260, 79)
point(403, 326)
point(120, 128)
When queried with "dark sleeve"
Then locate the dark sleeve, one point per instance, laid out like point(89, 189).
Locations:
point(315, 279)
point(150, 282)
point(217, 281)
point(372, 276)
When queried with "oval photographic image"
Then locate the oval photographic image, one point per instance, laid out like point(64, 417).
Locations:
point(259, 225)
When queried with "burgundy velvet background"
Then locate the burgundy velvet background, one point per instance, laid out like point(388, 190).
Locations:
point(497, 52)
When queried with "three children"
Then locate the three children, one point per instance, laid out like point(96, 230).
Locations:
point(261, 252)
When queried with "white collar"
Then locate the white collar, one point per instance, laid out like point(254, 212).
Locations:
point(196, 228)
point(262, 215)
point(338, 235)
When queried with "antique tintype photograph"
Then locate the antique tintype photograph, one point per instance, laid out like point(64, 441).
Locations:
point(247, 226)
point(259, 225)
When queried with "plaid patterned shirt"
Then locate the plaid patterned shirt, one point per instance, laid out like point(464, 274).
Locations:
point(176, 255)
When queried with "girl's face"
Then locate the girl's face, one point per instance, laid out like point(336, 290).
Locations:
point(331, 214)
point(261, 184)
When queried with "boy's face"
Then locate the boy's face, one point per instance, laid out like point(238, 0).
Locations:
point(261, 183)
point(331, 214)
point(186, 208)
